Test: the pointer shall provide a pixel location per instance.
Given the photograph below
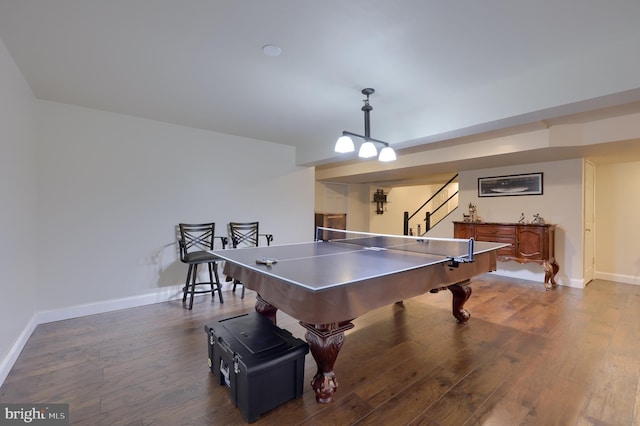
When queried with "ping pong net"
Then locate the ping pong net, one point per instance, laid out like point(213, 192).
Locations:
point(457, 250)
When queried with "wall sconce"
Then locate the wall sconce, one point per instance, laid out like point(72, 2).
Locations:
point(367, 149)
point(380, 198)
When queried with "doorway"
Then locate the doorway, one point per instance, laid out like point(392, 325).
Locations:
point(589, 223)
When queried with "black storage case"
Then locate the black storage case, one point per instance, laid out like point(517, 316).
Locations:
point(260, 363)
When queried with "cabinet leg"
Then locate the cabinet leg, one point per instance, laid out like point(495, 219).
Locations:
point(550, 271)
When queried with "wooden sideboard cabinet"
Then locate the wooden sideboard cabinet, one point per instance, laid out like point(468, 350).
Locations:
point(529, 243)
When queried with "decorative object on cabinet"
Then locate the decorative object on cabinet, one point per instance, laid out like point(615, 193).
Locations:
point(473, 214)
point(500, 186)
point(380, 198)
point(537, 219)
point(529, 243)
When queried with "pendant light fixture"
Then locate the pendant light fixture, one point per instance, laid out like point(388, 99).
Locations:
point(368, 148)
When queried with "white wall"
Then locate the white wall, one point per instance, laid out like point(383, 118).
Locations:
point(91, 200)
point(352, 199)
point(617, 230)
point(560, 204)
point(331, 198)
point(359, 214)
point(112, 188)
point(18, 234)
point(402, 199)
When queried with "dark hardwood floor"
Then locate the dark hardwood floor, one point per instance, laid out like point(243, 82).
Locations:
point(527, 356)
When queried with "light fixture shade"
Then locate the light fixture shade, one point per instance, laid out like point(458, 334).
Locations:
point(344, 144)
point(387, 154)
point(367, 150)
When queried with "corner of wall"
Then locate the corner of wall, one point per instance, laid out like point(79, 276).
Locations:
point(6, 363)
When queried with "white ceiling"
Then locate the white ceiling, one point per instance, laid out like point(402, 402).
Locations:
point(441, 69)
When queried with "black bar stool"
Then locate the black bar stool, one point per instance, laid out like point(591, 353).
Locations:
point(195, 241)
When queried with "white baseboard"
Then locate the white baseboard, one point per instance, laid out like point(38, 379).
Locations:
point(574, 283)
point(539, 278)
point(42, 317)
point(158, 296)
point(6, 364)
point(162, 295)
point(619, 278)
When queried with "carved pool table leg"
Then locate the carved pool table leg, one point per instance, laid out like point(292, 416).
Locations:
point(550, 271)
point(461, 292)
point(325, 341)
point(268, 311)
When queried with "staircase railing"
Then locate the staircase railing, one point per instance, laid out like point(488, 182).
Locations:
point(434, 211)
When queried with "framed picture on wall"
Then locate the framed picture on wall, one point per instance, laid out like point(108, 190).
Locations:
point(501, 186)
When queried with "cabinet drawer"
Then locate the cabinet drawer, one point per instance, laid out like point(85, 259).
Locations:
point(504, 251)
point(489, 233)
point(498, 234)
point(509, 251)
point(465, 231)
